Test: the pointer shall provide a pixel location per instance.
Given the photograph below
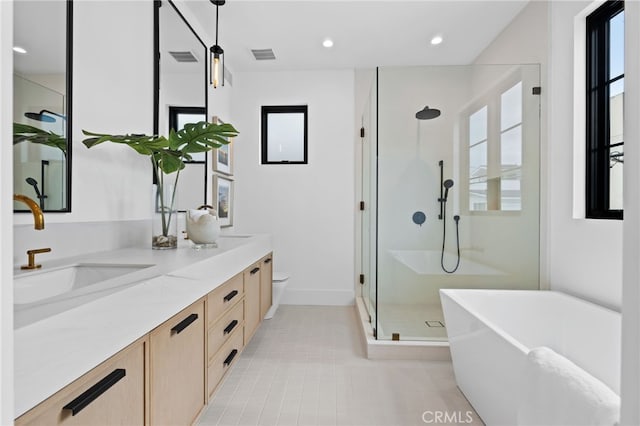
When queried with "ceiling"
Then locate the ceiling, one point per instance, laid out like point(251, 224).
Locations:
point(366, 34)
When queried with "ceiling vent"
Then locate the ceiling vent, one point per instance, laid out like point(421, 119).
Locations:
point(185, 56)
point(263, 54)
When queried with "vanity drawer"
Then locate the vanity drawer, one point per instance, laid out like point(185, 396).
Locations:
point(224, 359)
point(224, 328)
point(224, 297)
point(111, 393)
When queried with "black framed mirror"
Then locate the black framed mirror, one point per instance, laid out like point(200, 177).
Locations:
point(284, 134)
point(42, 85)
point(180, 91)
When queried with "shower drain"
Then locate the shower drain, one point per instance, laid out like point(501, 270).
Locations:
point(434, 324)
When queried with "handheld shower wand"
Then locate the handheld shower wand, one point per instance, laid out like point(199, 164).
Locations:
point(447, 185)
point(31, 181)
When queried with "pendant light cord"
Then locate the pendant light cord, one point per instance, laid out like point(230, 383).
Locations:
point(217, 24)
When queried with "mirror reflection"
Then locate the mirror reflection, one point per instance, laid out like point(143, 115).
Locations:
point(181, 95)
point(41, 103)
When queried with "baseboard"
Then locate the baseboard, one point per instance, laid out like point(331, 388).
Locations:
point(293, 296)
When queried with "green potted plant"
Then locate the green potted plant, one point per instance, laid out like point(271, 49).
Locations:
point(25, 132)
point(167, 157)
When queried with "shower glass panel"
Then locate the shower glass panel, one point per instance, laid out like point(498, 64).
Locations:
point(368, 205)
point(477, 163)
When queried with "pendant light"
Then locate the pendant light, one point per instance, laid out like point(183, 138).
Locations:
point(215, 52)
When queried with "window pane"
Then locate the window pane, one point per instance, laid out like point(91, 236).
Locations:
point(286, 137)
point(478, 160)
point(478, 126)
point(186, 118)
point(510, 193)
point(616, 112)
point(511, 148)
point(616, 157)
point(616, 45)
point(478, 194)
point(511, 107)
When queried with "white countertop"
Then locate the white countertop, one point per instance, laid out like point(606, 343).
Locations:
point(53, 352)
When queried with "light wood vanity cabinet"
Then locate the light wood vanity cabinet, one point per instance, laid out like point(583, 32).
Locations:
point(177, 376)
point(252, 300)
point(113, 393)
point(266, 286)
point(167, 377)
point(225, 331)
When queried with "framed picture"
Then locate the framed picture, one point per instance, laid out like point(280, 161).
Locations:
point(223, 199)
point(222, 158)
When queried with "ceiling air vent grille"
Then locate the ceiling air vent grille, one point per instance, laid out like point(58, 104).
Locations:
point(263, 54)
point(184, 56)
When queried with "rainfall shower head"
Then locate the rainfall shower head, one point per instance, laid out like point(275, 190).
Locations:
point(44, 115)
point(427, 113)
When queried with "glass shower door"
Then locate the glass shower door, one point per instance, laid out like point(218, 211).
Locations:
point(368, 208)
point(457, 189)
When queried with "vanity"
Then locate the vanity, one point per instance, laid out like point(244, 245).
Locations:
point(152, 351)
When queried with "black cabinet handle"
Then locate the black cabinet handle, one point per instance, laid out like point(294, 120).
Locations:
point(230, 295)
point(267, 260)
point(254, 270)
point(231, 326)
point(184, 323)
point(230, 358)
point(94, 392)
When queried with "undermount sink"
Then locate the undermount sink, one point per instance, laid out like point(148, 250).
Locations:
point(35, 286)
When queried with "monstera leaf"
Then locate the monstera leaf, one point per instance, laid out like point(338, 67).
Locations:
point(201, 137)
point(169, 155)
point(24, 132)
point(142, 144)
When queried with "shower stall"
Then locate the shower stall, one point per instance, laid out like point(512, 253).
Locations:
point(449, 183)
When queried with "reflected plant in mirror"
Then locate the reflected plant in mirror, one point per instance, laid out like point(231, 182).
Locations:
point(42, 103)
point(168, 156)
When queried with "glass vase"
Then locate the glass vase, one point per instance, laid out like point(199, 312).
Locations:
point(164, 217)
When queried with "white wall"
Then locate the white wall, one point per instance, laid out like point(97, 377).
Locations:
point(309, 209)
point(6, 213)
point(630, 383)
point(585, 255)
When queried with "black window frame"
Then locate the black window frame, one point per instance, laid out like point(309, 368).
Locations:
point(282, 109)
point(598, 82)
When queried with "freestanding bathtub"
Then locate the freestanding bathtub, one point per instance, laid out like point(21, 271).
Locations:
point(491, 332)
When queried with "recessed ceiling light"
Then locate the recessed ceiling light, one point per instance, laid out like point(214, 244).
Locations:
point(436, 40)
point(19, 49)
point(327, 42)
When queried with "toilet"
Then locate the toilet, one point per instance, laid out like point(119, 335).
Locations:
point(279, 284)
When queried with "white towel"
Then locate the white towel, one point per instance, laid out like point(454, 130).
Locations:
point(555, 391)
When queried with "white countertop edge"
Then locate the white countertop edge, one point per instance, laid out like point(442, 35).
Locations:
point(52, 353)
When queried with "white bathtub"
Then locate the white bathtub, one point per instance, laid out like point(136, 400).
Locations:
point(491, 332)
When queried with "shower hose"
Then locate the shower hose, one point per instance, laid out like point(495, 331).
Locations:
point(456, 218)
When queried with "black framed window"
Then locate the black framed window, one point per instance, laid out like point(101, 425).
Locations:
point(604, 115)
point(284, 134)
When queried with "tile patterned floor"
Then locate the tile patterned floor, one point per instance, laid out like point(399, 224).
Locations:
point(306, 366)
point(410, 321)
